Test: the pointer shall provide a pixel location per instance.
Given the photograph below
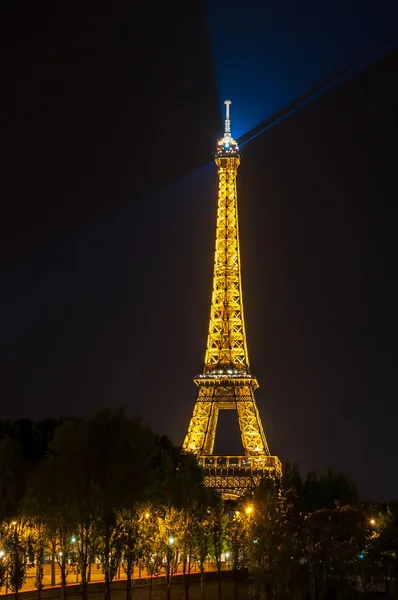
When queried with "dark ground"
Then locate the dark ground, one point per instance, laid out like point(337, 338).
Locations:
point(141, 591)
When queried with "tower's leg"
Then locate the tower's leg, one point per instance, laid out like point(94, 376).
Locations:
point(211, 429)
point(202, 428)
point(253, 438)
point(195, 438)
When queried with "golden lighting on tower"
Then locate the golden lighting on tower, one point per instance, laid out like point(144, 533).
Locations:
point(226, 382)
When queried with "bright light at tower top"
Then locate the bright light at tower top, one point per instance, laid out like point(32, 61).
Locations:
point(227, 121)
point(227, 146)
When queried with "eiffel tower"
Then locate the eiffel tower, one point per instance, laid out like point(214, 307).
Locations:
point(227, 382)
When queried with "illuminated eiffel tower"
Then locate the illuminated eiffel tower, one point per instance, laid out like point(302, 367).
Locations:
point(227, 382)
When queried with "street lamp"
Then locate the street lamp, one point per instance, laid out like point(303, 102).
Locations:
point(147, 515)
point(171, 540)
point(248, 510)
point(73, 540)
point(372, 522)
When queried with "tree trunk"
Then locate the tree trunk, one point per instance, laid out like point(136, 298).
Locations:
point(107, 585)
point(53, 566)
point(129, 570)
point(39, 576)
point(218, 561)
point(185, 578)
point(84, 582)
point(202, 578)
point(189, 572)
point(128, 586)
point(317, 589)
point(150, 587)
point(168, 583)
point(63, 580)
point(89, 572)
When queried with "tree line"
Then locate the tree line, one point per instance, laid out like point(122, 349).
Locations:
point(316, 539)
point(107, 489)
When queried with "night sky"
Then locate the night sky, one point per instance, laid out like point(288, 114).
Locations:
point(109, 114)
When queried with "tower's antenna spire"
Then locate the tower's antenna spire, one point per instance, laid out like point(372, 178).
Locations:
point(227, 121)
point(227, 146)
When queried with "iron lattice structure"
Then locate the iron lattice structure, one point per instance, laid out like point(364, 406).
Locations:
point(226, 382)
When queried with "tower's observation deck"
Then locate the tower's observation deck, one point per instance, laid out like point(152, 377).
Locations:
point(226, 381)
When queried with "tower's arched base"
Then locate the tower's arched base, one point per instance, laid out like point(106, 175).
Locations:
point(236, 476)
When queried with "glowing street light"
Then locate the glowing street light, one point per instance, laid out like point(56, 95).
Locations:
point(227, 555)
point(73, 540)
point(372, 522)
point(2, 553)
point(171, 540)
point(147, 515)
point(248, 510)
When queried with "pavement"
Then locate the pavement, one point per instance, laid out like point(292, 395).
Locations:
point(141, 589)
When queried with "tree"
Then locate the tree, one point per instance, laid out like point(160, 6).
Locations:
point(3, 567)
point(237, 539)
point(376, 542)
point(218, 527)
point(12, 478)
point(188, 495)
point(330, 523)
point(170, 531)
point(149, 544)
point(272, 541)
point(49, 511)
point(123, 477)
point(73, 455)
point(131, 537)
point(18, 553)
point(202, 540)
point(326, 490)
point(12, 482)
point(38, 534)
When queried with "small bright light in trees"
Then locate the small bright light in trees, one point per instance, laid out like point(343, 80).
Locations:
point(59, 553)
point(171, 540)
point(73, 540)
point(372, 522)
point(1, 553)
point(13, 523)
point(249, 510)
point(147, 515)
point(227, 555)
